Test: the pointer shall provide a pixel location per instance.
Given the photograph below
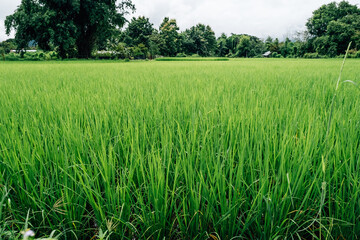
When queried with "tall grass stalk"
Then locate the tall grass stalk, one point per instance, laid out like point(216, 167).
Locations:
point(336, 90)
point(180, 150)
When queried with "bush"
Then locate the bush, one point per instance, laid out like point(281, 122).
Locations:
point(357, 55)
point(354, 54)
point(276, 55)
point(12, 57)
point(181, 55)
point(190, 59)
point(313, 55)
point(37, 56)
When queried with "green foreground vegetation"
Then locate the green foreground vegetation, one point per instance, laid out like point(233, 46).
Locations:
point(180, 150)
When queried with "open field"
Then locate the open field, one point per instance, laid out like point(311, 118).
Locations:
point(180, 150)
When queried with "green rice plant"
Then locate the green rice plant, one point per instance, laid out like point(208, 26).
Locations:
point(337, 88)
point(180, 150)
point(189, 59)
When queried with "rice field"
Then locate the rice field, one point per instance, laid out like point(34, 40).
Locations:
point(180, 150)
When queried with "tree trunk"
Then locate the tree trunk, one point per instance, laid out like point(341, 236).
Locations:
point(84, 47)
point(86, 40)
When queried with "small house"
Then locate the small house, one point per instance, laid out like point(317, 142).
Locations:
point(267, 54)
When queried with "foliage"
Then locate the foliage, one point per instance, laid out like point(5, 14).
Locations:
point(181, 55)
point(180, 150)
point(221, 49)
point(138, 32)
point(313, 55)
point(190, 59)
point(31, 56)
point(169, 33)
point(322, 17)
point(333, 26)
point(199, 39)
point(73, 28)
point(8, 45)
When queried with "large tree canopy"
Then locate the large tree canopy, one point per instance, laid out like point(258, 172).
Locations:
point(333, 26)
point(73, 27)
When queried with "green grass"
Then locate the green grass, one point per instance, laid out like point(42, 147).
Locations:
point(190, 59)
point(180, 150)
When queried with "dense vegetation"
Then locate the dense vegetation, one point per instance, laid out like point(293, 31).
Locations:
point(74, 30)
point(180, 150)
point(72, 27)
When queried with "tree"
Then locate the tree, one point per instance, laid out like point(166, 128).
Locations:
point(155, 41)
point(8, 45)
point(335, 25)
point(199, 39)
point(244, 46)
point(248, 46)
point(268, 42)
point(139, 31)
point(221, 49)
point(169, 33)
point(340, 34)
point(72, 27)
point(286, 47)
point(318, 23)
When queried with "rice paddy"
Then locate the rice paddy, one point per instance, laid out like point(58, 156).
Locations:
point(180, 150)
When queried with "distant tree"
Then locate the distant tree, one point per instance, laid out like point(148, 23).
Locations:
point(248, 46)
point(155, 43)
point(221, 48)
point(169, 33)
point(303, 43)
point(199, 39)
point(318, 23)
point(8, 45)
point(274, 47)
point(324, 46)
point(244, 46)
point(286, 48)
point(139, 31)
point(73, 27)
point(335, 24)
point(340, 34)
point(268, 43)
point(231, 43)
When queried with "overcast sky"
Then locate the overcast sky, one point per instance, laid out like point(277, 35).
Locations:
point(262, 18)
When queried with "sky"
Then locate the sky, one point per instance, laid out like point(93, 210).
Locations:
point(262, 18)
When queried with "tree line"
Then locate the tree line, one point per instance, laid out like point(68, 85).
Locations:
point(88, 28)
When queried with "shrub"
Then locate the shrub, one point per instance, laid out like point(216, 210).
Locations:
point(34, 56)
point(314, 55)
point(275, 55)
point(190, 59)
point(357, 55)
point(181, 55)
point(12, 57)
point(354, 54)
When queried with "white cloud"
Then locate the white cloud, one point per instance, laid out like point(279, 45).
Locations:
point(7, 7)
point(276, 18)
